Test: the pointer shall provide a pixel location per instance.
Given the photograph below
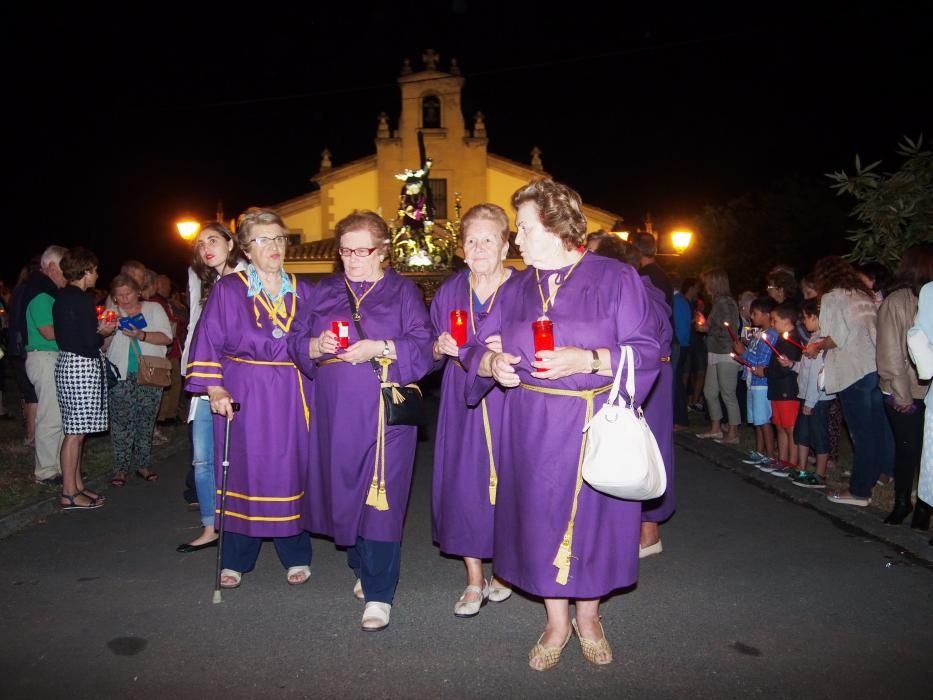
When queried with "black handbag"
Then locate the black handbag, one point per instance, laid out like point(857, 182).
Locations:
point(403, 404)
point(111, 371)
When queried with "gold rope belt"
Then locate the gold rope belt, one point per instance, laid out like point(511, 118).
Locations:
point(301, 386)
point(562, 559)
point(377, 497)
point(493, 475)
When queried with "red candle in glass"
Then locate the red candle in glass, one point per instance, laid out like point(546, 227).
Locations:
point(111, 316)
point(458, 326)
point(786, 336)
point(543, 330)
point(100, 313)
point(342, 330)
point(731, 332)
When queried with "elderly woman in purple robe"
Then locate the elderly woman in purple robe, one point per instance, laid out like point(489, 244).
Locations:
point(555, 537)
point(658, 405)
point(466, 448)
point(239, 353)
point(360, 470)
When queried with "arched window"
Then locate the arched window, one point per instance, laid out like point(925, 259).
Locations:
point(431, 112)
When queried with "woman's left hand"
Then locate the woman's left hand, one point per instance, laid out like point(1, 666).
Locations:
point(107, 328)
point(139, 335)
point(362, 351)
point(562, 362)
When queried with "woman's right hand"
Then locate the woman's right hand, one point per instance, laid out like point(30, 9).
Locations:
point(503, 371)
point(813, 349)
point(221, 401)
point(327, 344)
point(446, 345)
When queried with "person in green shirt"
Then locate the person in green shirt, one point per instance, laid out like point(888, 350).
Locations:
point(41, 356)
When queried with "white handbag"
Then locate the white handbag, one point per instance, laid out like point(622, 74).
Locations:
point(622, 458)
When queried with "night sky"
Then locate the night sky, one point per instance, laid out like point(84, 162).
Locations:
point(125, 119)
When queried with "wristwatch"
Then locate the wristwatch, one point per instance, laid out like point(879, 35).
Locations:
point(595, 365)
point(385, 350)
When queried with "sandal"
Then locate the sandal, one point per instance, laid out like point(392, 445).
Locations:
point(118, 479)
point(149, 476)
point(71, 505)
point(93, 497)
point(294, 571)
point(546, 657)
point(592, 651)
point(230, 573)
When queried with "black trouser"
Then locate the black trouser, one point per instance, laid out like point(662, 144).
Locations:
point(908, 443)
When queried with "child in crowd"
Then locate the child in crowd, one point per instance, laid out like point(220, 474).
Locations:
point(758, 355)
point(811, 431)
point(782, 386)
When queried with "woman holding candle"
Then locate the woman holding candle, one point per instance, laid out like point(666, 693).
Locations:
point(467, 446)
point(360, 470)
point(722, 373)
point(554, 536)
point(239, 353)
point(79, 372)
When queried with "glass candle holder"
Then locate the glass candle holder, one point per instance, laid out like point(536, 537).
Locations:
point(342, 330)
point(458, 326)
point(543, 331)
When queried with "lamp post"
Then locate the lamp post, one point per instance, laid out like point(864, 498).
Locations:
point(187, 228)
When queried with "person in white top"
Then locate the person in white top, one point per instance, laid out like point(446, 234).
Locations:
point(215, 254)
point(848, 324)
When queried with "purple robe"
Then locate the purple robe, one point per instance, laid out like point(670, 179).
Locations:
point(345, 408)
point(602, 304)
point(659, 409)
point(235, 348)
point(462, 514)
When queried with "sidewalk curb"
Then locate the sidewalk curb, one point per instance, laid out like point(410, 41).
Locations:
point(23, 517)
point(912, 544)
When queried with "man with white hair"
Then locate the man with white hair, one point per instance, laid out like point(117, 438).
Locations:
point(41, 356)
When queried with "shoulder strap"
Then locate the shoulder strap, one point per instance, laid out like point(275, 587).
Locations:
point(359, 330)
point(627, 362)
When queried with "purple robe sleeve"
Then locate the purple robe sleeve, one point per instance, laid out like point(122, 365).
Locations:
point(300, 337)
point(663, 313)
point(204, 359)
point(472, 353)
point(440, 320)
point(413, 347)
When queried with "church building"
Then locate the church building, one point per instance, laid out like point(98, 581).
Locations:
point(462, 170)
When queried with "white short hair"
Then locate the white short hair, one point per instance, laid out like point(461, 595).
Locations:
point(52, 254)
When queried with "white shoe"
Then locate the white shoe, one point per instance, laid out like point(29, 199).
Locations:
point(498, 595)
point(655, 548)
point(358, 590)
point(470, 608)
point(375, 616)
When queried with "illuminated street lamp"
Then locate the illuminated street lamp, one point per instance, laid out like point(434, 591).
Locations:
point(188, 228)
point(681, 240)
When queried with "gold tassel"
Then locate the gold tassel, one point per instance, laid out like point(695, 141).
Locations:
point(373, 498)
point(377, 497)
point(562, 559)
point(493, 477)
point(382, 501)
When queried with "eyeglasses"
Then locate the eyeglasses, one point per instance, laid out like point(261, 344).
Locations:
point(358, 252)
point(263, 241)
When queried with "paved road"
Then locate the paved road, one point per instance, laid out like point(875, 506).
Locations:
point(753, 596)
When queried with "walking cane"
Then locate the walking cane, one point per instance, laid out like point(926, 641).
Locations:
point(218, 598)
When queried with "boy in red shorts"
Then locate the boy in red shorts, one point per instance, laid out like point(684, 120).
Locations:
point(782, 387)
